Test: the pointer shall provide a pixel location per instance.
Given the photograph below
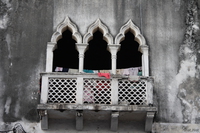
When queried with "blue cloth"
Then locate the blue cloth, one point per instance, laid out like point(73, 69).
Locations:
point(65, 69)
point(88, 71)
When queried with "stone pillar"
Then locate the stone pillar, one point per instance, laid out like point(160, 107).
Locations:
point(145, 60)
point(149, 90)
point(113, 48)
point(81, 49)
point(49, 56)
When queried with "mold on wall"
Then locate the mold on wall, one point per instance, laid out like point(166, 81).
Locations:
point(189, 72)
point(25, 28)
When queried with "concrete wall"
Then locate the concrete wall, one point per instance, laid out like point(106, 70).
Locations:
point(27, 25)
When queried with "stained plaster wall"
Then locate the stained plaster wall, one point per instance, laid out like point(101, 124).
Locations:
point(27, 26)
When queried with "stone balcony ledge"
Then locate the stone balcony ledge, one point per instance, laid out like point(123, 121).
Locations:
point(97, 107)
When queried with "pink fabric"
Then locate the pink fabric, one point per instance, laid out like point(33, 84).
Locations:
point(107, 75)
point(58, 69)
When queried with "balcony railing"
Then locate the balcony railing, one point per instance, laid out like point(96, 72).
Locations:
point(84, 91)
point(90, 89)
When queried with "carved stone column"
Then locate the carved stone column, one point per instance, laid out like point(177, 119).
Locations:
point(145, 60)
point(81, 49)
point(49, 56)
point(113, 48)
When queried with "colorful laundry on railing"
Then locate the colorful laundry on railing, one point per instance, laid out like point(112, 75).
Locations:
point(107, 75)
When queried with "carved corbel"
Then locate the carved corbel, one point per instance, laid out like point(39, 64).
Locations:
point(79, 120)
point(44, 119)
point(149, 121)
point(114, 121)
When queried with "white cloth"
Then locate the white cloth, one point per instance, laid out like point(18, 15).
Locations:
point(134, 78)
point(59, 69)
point(126, 72)
point(133, 71)
point(73, 70)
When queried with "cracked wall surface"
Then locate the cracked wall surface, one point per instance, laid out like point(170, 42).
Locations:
point(189, 67)
point(22, 56)
point(170, 27)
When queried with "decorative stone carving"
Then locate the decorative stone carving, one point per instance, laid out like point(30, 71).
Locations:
point(63, 26)
point(134, 29)
point(102, 27)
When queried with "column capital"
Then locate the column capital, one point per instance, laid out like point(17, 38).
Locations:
point(81, 47)
point(143, 48)
point(113, 48)
point(51, 46)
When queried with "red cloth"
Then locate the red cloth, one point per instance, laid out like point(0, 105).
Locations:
point(107, 75)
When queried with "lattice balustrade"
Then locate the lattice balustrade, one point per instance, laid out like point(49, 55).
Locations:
point(97, 91)
point(133, 93)
point(62, 90)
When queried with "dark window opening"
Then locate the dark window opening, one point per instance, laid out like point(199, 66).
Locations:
point(97, 57)
point(66, 54)
point(129, 56)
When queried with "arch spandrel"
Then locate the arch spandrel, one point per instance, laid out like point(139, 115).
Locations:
point(98, 25)
point(130, 26)
point(66, 24)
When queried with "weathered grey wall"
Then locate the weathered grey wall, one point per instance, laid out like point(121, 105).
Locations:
point(26, 27)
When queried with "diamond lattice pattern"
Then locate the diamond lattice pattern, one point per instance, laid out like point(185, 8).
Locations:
point(62, 90)
point(133, 93)
point(97, 91)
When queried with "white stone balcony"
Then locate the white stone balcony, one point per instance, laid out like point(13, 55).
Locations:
point(79, 89)
point(84, 91)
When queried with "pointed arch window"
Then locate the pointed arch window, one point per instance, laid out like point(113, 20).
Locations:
point(140, 49)
point(128, 44)
point(128, 55)
point(97, 57)
point(65, 36)
point(65, 55)
point(97, 40)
